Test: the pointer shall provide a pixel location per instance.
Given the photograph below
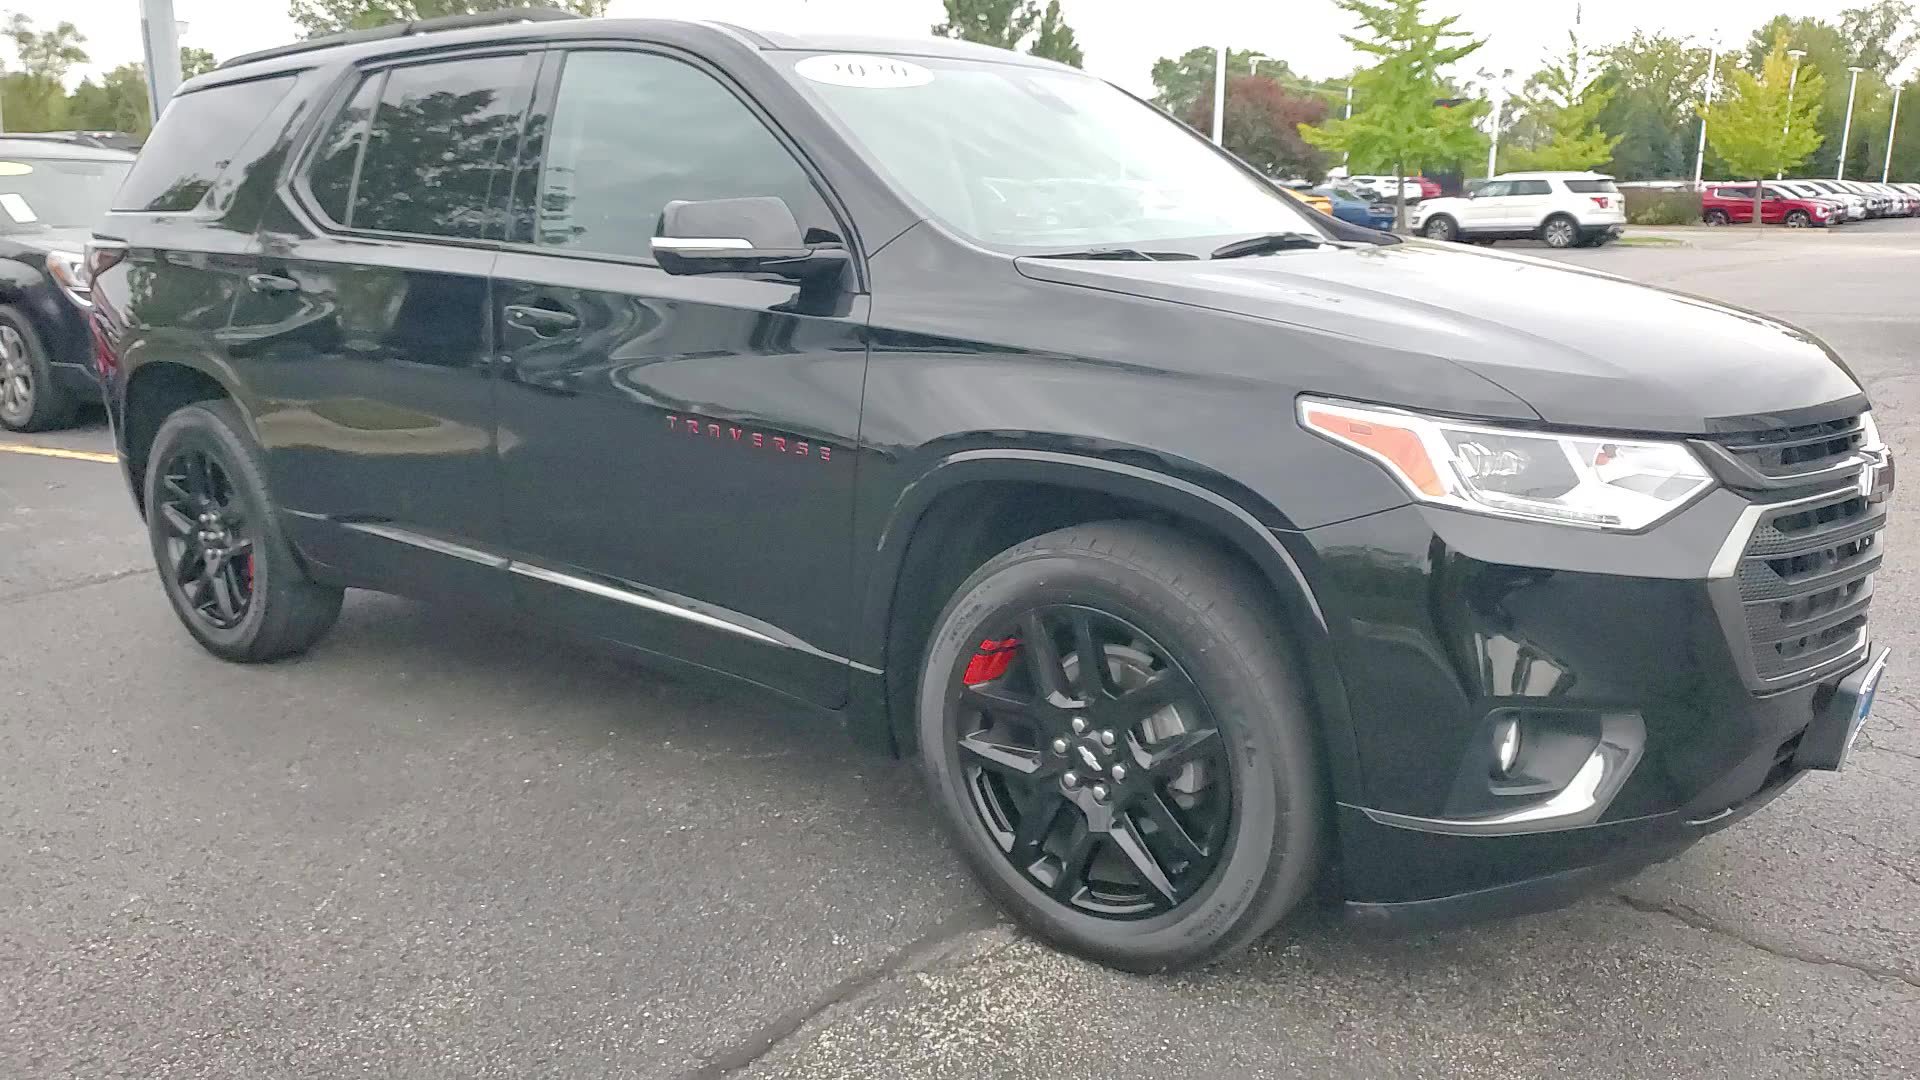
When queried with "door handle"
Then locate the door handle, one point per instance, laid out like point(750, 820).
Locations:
point(272, 284)
point(543, 321)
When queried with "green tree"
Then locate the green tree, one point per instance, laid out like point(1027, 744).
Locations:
point(1756, 131)
point(1054, 40)
point(1829, 53)
point(118, 102)
point(1881, 33)
point(1569, 97)
point(34, 98)
point(1654, 82)
point(1397, 120)
point(1007, 24)
point(319, 17)
point(1183, 81)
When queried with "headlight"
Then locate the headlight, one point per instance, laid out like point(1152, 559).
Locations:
point(69, 271)
point(1585, 480)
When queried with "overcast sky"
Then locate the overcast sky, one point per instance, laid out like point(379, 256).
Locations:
point(1121, 37)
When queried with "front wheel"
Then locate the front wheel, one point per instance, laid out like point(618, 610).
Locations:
point(227, 568)
point(1117, 739)
point(1441, 228)
point(1560, 232)
point(1798, 219)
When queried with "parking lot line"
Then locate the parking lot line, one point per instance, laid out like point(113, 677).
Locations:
point(56, 452)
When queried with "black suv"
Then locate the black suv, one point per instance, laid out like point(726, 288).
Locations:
point(1203, 549)
point(51, 196)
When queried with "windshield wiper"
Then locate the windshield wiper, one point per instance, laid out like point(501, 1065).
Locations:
point(1118, 253)
point(1261, 245)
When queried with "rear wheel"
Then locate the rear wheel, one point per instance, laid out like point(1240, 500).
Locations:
point(1717, 217)
point(1441, 227)
point(30, 400)
point(1560, 231)
point(1119, 744)
point(225, 564)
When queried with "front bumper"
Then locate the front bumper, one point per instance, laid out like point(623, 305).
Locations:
point(1629, 663)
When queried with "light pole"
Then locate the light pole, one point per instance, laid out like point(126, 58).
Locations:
point(1493, 151)
point(1786, 125)
point(1219, 94)
point(1700, 155)
point(161, 36)
point(1893, 125)
point(1846, 129)
point(1346, 156)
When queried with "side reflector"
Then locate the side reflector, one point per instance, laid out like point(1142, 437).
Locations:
point(1399, 447)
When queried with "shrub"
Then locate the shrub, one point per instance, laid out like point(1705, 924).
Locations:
point(1646, 207)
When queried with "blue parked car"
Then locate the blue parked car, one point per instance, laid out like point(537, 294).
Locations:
point(1352, 206)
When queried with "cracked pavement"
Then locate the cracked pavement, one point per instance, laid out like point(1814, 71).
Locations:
point(442, 848)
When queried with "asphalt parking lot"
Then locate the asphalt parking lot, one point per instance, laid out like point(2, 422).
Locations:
point(440, 848)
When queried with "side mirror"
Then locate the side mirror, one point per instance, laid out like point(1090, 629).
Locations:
point(756, 235)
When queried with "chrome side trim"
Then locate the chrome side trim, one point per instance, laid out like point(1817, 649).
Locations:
point(649, 599)
point(1727, 562)
point(1579, 804)
point(701, 243)
point(639, 600)
point(429, 543)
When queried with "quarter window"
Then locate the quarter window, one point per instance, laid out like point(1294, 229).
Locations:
point(632, 132)
point(433, 147)
point(197, 135)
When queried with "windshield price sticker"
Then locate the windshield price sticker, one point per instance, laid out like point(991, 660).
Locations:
point(867, 72)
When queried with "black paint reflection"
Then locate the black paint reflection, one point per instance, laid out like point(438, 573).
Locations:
point(433, 150)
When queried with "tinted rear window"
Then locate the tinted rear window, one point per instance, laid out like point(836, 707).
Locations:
point(196, 137)
point(433, 152)
point(1592, 187)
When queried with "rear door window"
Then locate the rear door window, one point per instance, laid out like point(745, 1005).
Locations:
point(425, 149)
point(197, 135)
point(1530, 187)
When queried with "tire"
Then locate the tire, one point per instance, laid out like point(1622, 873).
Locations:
point(1169, 612)
point(1798, 219)
point(1441, 228)
point(1559, 232)
point(245, 598)
point(1717, 217)
point(30, 399)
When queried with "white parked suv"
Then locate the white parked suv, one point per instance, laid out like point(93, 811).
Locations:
point(1561, 209)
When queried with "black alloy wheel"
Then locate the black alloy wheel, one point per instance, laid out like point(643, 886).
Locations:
point(208, 549)
point(1112, 728)
point(1094, 763)
point(228, 570)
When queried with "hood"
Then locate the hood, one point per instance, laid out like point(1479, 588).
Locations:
point(1580, 348)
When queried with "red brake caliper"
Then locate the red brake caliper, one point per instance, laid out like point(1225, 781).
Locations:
point(991, 661)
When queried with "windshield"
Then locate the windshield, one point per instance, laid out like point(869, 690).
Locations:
point(1030, 159)
point(59, 193)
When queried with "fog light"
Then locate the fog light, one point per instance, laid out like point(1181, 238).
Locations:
point(1506, 745)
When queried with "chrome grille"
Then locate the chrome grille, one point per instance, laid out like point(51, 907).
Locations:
point(1805, 581)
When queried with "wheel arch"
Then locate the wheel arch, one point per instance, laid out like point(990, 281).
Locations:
point(156, 390)
point(886, 634)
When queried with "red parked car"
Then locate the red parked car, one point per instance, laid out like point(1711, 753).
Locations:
point(1727, 204)
point(1428, 188)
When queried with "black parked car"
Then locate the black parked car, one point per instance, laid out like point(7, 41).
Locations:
point(51, 197)
point(1202, 548)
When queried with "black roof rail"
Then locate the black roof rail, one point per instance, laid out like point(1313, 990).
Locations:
point(406, 29)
